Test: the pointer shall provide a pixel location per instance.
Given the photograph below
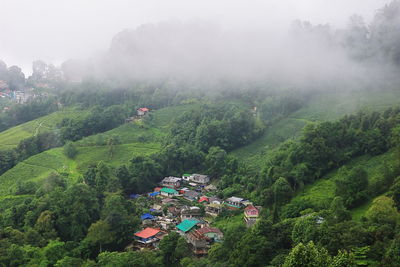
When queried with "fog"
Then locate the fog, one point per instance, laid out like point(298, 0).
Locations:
point(189, 39)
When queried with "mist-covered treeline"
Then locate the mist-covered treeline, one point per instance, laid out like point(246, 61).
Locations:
point(306, 55)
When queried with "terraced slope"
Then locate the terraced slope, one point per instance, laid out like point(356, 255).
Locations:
point(134, 139)
point(10, 138)
point(321, 107)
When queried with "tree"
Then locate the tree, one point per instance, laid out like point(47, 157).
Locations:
point(351, 185)
point(99, 233)
point(339, 211)
point(216, 161)
point(282, 191)
point(383, 211)
point(343, 259)
point(307, 255)
point(70, 150)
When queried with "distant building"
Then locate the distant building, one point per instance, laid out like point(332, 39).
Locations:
point(200, 178)
point(191, 195)
point(251, 214)
point(234, 202)
point(142, 111)
point(149, 237)
point(202, 238)
point(172, 182)
point(168, 192)
point(186, 226)
point(189, 213)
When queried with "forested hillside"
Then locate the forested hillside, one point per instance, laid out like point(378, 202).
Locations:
point(119, 161)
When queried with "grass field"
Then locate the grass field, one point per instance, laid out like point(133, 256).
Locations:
point(320, 107)
point(10, 138)
point(321, 193)
point(40, 166)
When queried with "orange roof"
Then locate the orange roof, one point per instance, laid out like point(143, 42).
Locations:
point(148, 232)
point(203, 198)
point(157, 189)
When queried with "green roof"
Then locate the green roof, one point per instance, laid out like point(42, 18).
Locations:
point(168, 190)
point(187, 225)
point(186, 174)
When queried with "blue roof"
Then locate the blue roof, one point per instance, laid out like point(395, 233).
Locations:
point(134, 196)
point(146, 216)
point(154, 194)
point(152, 210)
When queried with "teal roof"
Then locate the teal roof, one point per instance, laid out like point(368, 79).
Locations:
point(187, 225)
point(168, 190)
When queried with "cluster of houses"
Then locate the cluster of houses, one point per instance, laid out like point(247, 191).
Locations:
point(20, 97)
point(187, 205)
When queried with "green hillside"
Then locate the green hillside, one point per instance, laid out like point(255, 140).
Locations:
point(321, 193)
point(138, 138)
point(320, 107)
point(10, 138)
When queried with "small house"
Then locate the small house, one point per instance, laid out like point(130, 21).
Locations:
point(142, 111)
point(186, 177)
point(191, 195)
point(213, 209)
point(212, 233)
point(200, 178)
point(168, 192)
point(172, 182)
point(214, 200)
point(251, 214)
point(149, 236)
point(210, 187)
point(203, 199)
point(153, 194)
point(147, 216)
point(186, 226)
point(234, 202)
point(198, 242)
point(191, 213)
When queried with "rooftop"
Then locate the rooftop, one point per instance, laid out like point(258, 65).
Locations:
point(187, 225)
point(148, 232)
point(168, 190)
point(234, 199)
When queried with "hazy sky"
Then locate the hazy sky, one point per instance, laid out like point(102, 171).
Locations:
point(55, 30)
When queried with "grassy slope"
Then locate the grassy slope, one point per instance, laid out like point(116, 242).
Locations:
point(322, 192)
point(321, 107)
point(10, 138)
point(40, 166)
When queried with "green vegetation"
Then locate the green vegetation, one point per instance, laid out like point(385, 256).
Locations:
point(10, 138)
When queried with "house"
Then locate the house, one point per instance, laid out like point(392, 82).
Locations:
point(173, 211)
point(172, 182)
point(203, 199)
point(212, 233)
point(213, 209)
point(168, 192)
point(200, 178)
point(198, 242)
point(169, 201)
point(214, 200)
point(153, 194)
point(147, 216)
point(251, 214)
point(191, 213)
point(234, 202)
point(186, 177)
point(201, 239)
point(3, 85)
point(142, 111)
point(149, 237)
point(210, 187)
point(191, 195)
point(186, 225)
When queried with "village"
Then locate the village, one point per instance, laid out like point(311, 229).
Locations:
point(188, 206)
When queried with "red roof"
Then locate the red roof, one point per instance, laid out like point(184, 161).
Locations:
point(250, 209)
point(157, 189)
point(203, 198)
point(143, 109)
point(206, 230)
point(148, 232)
